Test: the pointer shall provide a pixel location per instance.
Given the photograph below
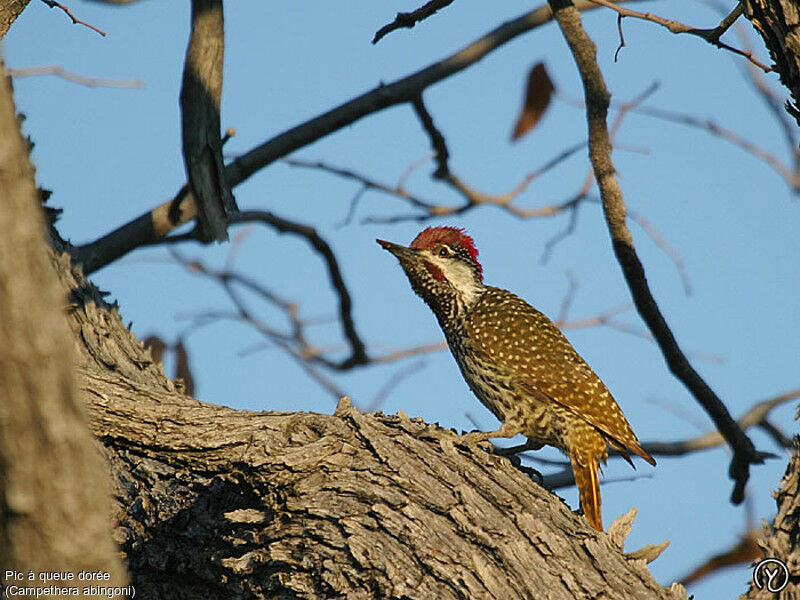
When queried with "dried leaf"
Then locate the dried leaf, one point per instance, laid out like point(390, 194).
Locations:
point(537, 99)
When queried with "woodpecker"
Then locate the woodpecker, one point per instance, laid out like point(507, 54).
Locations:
point(517, 362)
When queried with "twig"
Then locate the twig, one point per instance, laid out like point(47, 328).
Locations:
point(569, 296)
point(773, 102)
point(75, 20)
point(664, 245)
point(709, 35)
point(392, 383)
point(621, 38)
point(734, 138)
point(726, 23)
point(358, 355)
point(756, 416)
point(293, 343)
point(597, 102)
point(74, 77)
point(408, 20)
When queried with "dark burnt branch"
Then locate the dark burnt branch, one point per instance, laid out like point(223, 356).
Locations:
point(358, 355)
point(141, 230)
point(726, 22)
point(709, 35)
point(75, 20)
point(145, 230)
point(659, 241)
point(409, 19)
point(302, 351)
point(201, 95)
point(597, 102)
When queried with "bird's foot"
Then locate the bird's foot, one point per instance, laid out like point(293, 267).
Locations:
point(519, 448)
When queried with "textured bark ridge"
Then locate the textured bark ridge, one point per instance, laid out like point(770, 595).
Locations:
point(778, 23)
point(781, 538)
point(215, 502)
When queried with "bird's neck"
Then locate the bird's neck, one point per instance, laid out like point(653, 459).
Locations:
point(452, 309)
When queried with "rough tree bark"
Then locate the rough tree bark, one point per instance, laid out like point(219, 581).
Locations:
point(54, 494)
point(214, 502)
point(778, 23)
point(781, 538)
point(9, 11)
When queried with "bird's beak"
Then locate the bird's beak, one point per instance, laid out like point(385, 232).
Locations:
point(396, 249)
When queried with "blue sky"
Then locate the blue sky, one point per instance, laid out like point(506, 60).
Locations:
point(112, 154)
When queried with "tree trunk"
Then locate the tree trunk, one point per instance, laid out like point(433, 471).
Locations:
point(778, 23)
point(54, 493)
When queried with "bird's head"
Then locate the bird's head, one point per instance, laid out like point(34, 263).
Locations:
point(442, 266)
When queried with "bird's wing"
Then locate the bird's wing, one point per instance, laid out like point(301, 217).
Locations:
point(545, 364)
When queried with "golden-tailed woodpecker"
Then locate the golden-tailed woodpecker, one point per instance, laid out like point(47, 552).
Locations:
point(517, 362)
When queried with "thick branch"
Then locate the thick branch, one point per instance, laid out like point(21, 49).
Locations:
point(233, 504)
point(200, 99)
point(597, 102)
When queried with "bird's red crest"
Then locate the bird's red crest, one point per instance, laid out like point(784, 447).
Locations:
point(452, 236)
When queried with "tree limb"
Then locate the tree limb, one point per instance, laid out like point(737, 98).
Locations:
point(201, 95)
point(181, 209)
point(614, 209)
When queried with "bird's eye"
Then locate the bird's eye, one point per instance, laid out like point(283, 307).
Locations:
point(444, 251)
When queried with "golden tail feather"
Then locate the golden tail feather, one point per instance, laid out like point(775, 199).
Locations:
point(587, 478)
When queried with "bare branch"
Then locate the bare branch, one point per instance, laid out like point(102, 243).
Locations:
point(408, 20)
point(392, 383)
point(74, 77)
point(727, 22)
point(154, 224)
point(664, 245)
point(791, 177)
point(597, 101)
point(757, 415)
point(709, 35)
point(75, 20)
point(358, 355)
point(201, 94)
